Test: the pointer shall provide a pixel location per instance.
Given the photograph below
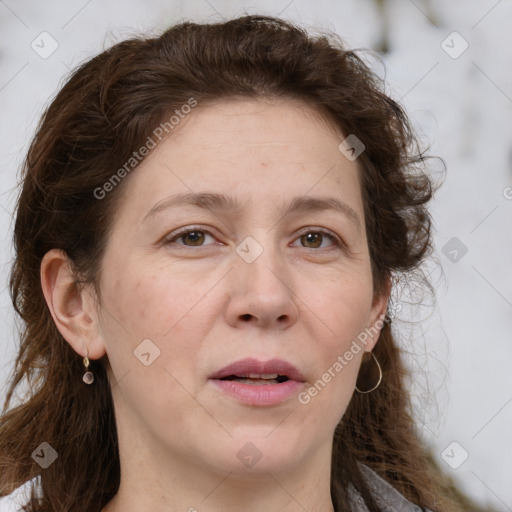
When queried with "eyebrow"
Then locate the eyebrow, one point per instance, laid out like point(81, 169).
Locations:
point(226, 203)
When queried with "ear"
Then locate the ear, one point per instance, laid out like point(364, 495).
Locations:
point(378, 315)
point(73, 308)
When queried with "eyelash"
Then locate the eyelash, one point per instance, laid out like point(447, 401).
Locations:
point(337, 242)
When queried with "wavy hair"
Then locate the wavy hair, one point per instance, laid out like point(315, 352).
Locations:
point(105, 111)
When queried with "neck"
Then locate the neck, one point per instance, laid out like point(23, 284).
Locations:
point(168, 483)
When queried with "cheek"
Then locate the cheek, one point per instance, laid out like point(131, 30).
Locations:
point(152, 320)
point(150, 303)
point(330, 391)
point(151, 344)
point(343, 308)
point(342, 303)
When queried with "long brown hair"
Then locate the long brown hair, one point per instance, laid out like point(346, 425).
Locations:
point(104, 112)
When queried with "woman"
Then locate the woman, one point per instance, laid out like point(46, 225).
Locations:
point(206, 237)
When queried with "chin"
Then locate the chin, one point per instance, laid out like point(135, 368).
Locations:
point(258, 456)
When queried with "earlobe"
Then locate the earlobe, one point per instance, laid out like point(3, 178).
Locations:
point(379, 311)
point(72, 307)
point(381, 302)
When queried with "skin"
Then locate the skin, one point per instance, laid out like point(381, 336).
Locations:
point(304, 299)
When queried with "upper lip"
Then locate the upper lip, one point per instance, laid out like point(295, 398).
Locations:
point(243, 367)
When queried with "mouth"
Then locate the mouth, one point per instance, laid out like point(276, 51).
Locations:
point(260, 383)
point(255, 379)
point(252, 371)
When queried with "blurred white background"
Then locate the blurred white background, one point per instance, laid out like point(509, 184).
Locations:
point(458, 89)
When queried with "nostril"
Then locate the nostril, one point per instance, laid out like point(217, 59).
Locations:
point(246, 317)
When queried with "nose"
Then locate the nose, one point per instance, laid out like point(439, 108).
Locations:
point(261, 293)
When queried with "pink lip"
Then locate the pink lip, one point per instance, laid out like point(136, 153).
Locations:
point(264, 394)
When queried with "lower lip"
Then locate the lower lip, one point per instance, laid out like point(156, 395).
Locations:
point(259, 394)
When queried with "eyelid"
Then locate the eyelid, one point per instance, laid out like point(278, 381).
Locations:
point(336, 240)
point(171, 237)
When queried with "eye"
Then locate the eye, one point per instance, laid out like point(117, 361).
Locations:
point(314, 239)
point(194, 237)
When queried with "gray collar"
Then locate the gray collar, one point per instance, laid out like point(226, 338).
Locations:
point(386, 496)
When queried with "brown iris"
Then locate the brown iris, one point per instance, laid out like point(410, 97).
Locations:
point(196, 237)
point(314, 238)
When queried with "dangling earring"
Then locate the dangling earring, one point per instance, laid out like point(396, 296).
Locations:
point(378, 382)
point(88, 377)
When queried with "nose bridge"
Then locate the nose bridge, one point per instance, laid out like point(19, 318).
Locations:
point(262, 290)
point(261, 266)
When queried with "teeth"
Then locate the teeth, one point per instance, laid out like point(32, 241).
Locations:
point(263, 376)
point(253, 378)
point(257, 382)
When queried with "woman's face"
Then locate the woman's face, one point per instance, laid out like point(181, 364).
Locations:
point(228, 245)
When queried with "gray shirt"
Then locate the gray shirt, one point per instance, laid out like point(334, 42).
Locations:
point(385, 495)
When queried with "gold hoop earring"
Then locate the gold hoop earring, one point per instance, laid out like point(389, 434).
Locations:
point(378, 382)
point(88, 377)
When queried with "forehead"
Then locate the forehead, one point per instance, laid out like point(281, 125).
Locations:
point(258, 121)
point(262, 150)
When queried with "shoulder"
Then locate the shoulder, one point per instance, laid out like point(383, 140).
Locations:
point(387, 497)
